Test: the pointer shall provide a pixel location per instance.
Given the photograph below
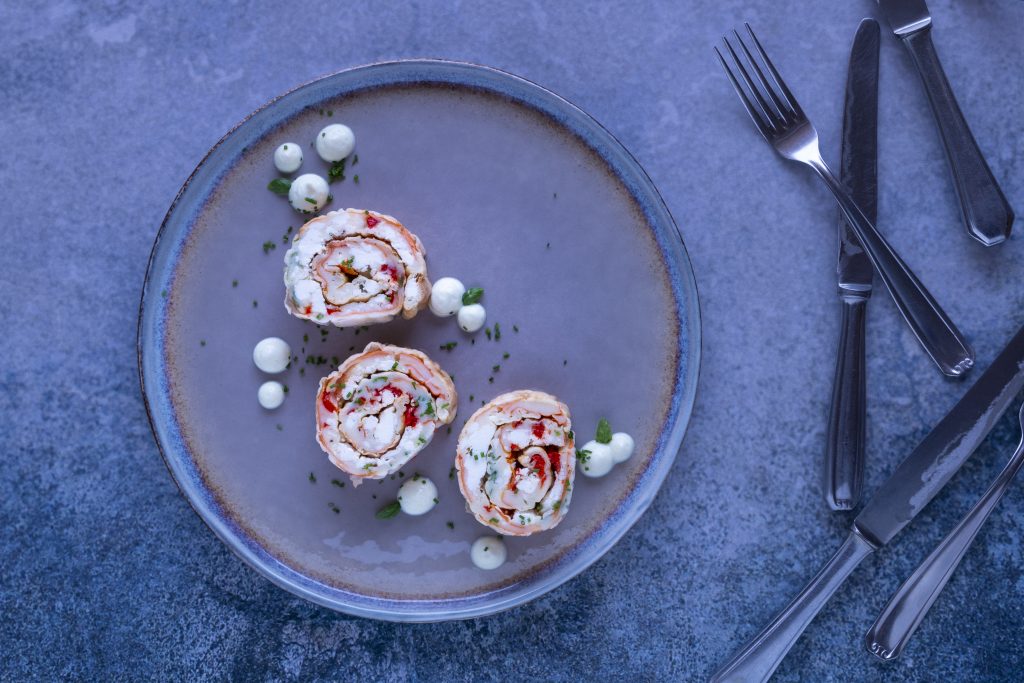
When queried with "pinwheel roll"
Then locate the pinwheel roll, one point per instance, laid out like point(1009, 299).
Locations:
point(354, 267)
point(380, 408)
point(516, 460)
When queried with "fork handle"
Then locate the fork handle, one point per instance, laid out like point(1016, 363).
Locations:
point(930, 324)
point(844, 450)
point(908, 607)
point(985, 211)
point(760, 657)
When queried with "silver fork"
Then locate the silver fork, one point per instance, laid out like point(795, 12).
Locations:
point(784, 125)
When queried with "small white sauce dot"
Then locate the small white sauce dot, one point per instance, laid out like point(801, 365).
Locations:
point(271, 355)
point(308, 193)
point(335, 142)
point(446, 296)
point(488, 552)
point(288, 157)
point(599, 462)
point(621, 446)
point(271, 395)
point(417, 496)
point(472, 318)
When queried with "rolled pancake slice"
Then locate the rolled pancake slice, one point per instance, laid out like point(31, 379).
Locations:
point(355, 267)
point(380, 408)
point(516, 460)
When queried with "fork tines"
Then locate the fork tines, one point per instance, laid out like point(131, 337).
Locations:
point(770, 104)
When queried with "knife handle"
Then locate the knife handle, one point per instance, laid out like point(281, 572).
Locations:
point(985, 211)
point(844, 451)
point(760, 657)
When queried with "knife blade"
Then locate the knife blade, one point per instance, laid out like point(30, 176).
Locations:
point(925, 471)
point(984, 209)
point(904, 494)
point(859, 159)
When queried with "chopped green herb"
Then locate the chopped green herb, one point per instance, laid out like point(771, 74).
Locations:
point(355, 159)
point(330, 112)
point(450, 525)
point(389, 510)
point(495, 368)
point(279, 186)
point(582, 455)
point(449, 346)
point(487, 331)
point(472, 295)
point(337, 482)
point(515, 328)
point(336, 172)
point(163, 293)
point(497, 331)
point(255, 303)
point(202, 342)
point(312, 478)
point(355, 179)
point(234, 283)
point(310, 200)
point(394, 366)
point(505, 355)
point(451, 473)
point(334, 508)
point(280, 427)
point(604, 431)
point(268, 246)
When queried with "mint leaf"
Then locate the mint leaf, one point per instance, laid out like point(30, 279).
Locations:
point(472, 295)
point(604, 432)
point(389, 510)
point(279, 186)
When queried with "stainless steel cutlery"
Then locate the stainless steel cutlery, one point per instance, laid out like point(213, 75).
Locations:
point(984, 208)
point(782, 122)
point(905, 610)
point(844, 449)
point(903, 495)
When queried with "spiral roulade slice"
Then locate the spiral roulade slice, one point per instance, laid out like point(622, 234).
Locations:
point(355, 267)
point(516, 460)
point(380, 408)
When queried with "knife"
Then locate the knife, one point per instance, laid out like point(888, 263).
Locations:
point(985, 211)
point(903, 495)
point(844, 449)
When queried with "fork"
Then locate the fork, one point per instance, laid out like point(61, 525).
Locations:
point(782, 122)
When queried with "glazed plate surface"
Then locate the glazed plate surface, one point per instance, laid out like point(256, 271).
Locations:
point(510, 188)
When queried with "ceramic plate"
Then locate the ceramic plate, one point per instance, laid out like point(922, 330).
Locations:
point(510, 188)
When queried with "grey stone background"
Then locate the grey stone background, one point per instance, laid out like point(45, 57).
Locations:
point(105, 572)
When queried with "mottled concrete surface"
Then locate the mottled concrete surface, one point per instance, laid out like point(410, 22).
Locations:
point(106, 573)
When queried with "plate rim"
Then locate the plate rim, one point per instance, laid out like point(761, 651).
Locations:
point(693, 325)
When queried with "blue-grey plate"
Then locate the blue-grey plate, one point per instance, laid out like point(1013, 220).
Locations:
point(510, 188)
